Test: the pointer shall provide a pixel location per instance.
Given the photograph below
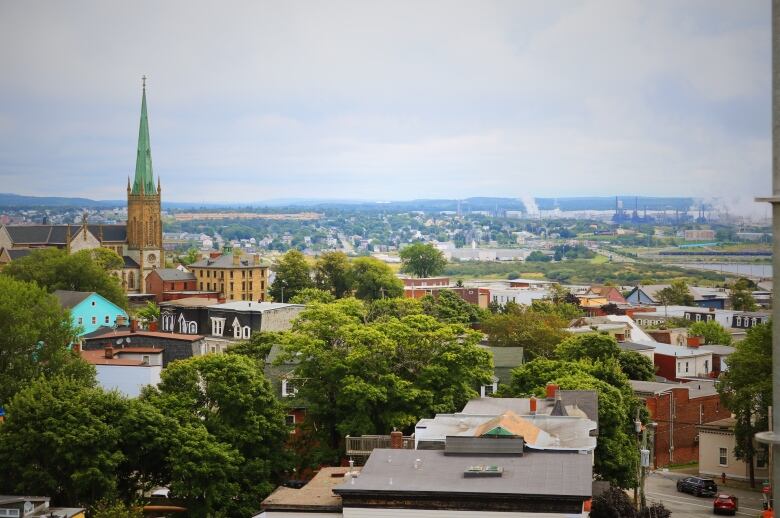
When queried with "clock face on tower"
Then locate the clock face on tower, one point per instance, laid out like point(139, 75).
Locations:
point(151, 258)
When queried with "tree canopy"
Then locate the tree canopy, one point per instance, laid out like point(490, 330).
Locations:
point(711, 331)
point(368, 378)
point(292, 276)
point(86, 270)
point(741, 297)
point(537, 329)
point(372, 279)
point(448, 306)
point(35, 333)
point(676, 293)
point(422, 260)
point(746, 389)
point(595, 346)
point(333, 273)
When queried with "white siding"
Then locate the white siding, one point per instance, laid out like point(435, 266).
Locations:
point(127, 379)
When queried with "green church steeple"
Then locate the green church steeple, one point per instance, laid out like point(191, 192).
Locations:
point(144, 178)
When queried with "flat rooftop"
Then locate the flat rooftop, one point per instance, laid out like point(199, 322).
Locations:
point(533, 474)
point(316, 495)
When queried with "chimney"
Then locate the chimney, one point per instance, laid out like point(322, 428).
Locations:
point(133, 325)
point(712, 310)
point(552, 388)
point(214, 255)
point(121, 320)
point(396, 440)
point(694, 341)
point(255, 259)
point(532, 405)
point(109, 352)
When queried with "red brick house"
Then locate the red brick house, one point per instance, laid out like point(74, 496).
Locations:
point(477, 296)
point(678, 409)
point(173, 284)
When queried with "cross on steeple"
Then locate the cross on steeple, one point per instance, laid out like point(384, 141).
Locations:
point(143, 81)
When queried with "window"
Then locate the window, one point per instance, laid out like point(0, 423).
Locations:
point(723, 457)
point(762, 455)
point(686, 366)
point(288, 388)
point(213, 349)
point(10, 513)
point(739, 321)
point(231, 274)
point(81, 320)
point(208, 273)
point(145, 359)
point(698, 317)
point(250, 285)
point(488, 390)
point(107, 319)
point(289, 419)
point(201, 286)
point(706, 366)
point(93, 303)
point(753, 321)
point(94, 320)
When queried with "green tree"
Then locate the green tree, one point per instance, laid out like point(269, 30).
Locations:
point(538, 332)
point(34, 336)
point(368, 378)
point(150, 312)
point(309, 295)
point(372, 279)
point(676, 293)
point(393, 308)
point(448, 307)
point(86, 270)
point(190, 256)
point(243, 428)
point(333, 273)
point(746, 389)
point(422, 260)
point(257, 347)
point(712, 331)
point(115, 509)
point(292, 276)
point(741, 297)
point(539, 257)
point(636, 366)
point(595, 346)
point(61, 439)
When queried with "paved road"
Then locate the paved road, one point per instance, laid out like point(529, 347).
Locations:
point(661, 487)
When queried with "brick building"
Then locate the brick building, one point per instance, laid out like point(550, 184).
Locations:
point(234, 277)
point(477, 296)
point(173, 284)
point(678, 409)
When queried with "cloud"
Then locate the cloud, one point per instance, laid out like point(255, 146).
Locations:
point(253, 100)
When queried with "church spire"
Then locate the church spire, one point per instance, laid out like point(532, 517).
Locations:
point(144, 178)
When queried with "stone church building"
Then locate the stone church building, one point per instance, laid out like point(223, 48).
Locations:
point(138, 242)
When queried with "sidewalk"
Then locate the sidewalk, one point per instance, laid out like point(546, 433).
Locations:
point(693, 470)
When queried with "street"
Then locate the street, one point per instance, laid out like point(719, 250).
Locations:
point(661, 487)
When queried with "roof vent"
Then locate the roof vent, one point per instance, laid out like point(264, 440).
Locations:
point(482, 471)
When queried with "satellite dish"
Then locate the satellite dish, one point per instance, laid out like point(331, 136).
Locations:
point(119, 342)
point(127, 339)
point(28, 507)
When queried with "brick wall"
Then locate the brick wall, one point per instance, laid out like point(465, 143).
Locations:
point(676, 436)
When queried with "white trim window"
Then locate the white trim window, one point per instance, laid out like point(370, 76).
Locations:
point(723, 457)
point(488, 390)
point(288, 388)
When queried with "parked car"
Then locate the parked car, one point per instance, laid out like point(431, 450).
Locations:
point(726, 504)
point(697, 486)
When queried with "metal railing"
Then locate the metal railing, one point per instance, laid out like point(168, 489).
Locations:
point(365, 444)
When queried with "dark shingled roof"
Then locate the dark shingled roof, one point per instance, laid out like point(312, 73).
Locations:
point(71, 299)
point(18, 254)
point(57, 234)
point(172, 274)
point(130, 262)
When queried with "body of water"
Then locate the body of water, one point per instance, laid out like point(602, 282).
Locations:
point(745, 269)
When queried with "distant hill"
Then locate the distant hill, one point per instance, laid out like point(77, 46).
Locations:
point(469, 204)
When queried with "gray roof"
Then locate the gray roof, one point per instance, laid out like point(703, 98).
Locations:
point(57, 234)
point(534, 474)
point(71, 299)
point(226, 261)
point(695, 388)
point(633, 346)
point(174, 274)
point(255, 307)
point(19, 253)
point(130, 262)
point(721, 350)
point(584, 400)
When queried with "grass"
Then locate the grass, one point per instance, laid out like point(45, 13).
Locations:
point(599, 259)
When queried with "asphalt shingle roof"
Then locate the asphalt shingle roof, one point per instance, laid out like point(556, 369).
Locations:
point(71, 299)
point(174, 274)
point(58, 234)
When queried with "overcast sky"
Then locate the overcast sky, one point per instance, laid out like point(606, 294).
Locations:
point(388, 100)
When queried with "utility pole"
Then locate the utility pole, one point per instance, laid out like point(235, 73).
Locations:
point(772, 437)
